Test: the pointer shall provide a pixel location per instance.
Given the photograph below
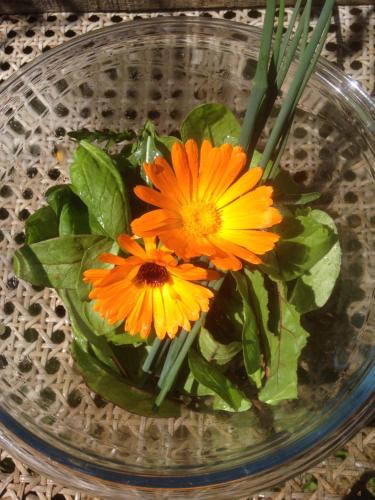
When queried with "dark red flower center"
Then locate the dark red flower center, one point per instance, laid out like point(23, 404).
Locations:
point(152, 274)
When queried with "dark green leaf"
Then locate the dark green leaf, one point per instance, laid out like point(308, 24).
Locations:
point(54, 262)
point(213, 122)
point(212, 378)
point(288, 192)
point(212, 350)
point(41, 225)
point(304, 240)
point(58, 196)
point(313, 289)
point(96, 180)
point(285, 349)
point(252, 328)
point(90, 260)
point(74, 218)
point(104, 135)
point(118, 391)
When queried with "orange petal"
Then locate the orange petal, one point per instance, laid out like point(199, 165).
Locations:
point(110, 258)
point(158, 313)
point(154, 197)
point(236, 250)
point(150, 244)
point(212, 172)
point(244, 184)
point(233, 168)
point(192, 154)
point(133, 322)
point(164, 179)
point(154, 222)
point(255, 219)
point(95, 276)
point(206, 148)
point(146, 314)
point(181, 167)
point(258, 242)
point(128, 244)
point(229, 263)
point(190, 272)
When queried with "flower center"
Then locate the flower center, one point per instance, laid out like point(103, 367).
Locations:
point(200, 218)
point(152, 274)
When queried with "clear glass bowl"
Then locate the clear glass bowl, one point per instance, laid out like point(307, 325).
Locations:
point(159, 69)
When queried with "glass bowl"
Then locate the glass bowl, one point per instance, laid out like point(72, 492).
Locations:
point(117, 78)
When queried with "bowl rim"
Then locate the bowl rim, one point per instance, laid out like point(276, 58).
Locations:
point(357, 408)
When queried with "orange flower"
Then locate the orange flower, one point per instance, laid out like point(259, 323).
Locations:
point(149, 287)
point(205, 208)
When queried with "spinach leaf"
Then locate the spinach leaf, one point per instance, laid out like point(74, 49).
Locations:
point(148, 146)
point(212, 378)
point(90, 260)
point(285, 349)
point(252, 329)
point(119, 337)
point(96, 180)
point(288, 192)
point(119, 391)
point(54, 262)
point(304, 240)
point(313, 289)
point(41, 225)
point(214, 351)
point(196, 389)
point(74, 218)
point(58, 196)
point(83, 329)
point(104, 135)
point(211, 121)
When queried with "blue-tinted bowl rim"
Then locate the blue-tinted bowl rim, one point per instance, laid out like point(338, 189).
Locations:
point(342, 422)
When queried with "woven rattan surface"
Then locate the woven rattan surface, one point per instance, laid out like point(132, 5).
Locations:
point(351, 46)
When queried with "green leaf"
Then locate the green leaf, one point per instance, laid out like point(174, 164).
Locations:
point(313, 289)
point(41, 225)
point(212, 350)
point(99, 324)
point(90, 260)
point(58, 196)
point(212, 378)
point(288, 192)
point(104, 135)
point(304, 240)
point(285, 349)
point(84, 331)
point(213, 122)
point(74, 218)
point(251, 331)
point(120, 337)
point(120, 392)
point(54, 262)
point(96, 180)
point(148, 146)
point(196, 389)
point(255, 160)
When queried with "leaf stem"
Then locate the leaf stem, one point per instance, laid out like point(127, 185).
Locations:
point(304, 70)
point(261, 83)
point(151, 355)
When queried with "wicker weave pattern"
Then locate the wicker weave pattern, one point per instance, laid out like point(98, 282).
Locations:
point(350, 45)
